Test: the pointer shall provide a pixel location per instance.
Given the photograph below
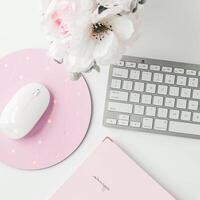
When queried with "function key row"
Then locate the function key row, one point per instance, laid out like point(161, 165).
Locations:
point(158, 68)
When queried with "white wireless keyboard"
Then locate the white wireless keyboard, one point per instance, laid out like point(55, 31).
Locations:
point(154, 96)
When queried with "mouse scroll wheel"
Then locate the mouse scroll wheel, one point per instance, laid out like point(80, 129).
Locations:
point(36, 92)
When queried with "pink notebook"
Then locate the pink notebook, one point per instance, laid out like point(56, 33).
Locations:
point(109, 174)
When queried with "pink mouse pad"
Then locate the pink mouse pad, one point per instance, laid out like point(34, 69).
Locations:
point(64, 125)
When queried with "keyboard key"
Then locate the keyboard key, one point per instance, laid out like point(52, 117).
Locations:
point(191, 72)
point(120, 63)
point(127, 85)
point(162, 89)
point(147, 123)
point(158, 77)
point(151, 111)
point(179, 70)
point(167, 69)
point(135, 124)
point(181, 103)
point(124, 117)
point(161, 124)
point(186, 116)
point(118, 96)
point(174, 114)
point(158, 100)
point(142, 66)
point(111, 121)
point(120, 73)
point(150, 88)
point(196, 94)
point(185, 92)
point(135, 97)
point(174, 91)
point(116, 84)
point(146, 99)
point(169, 79)
point(123, 122)
point(196, 117)
point(139, 87)
point(135, 74)
point(138, 110)
point(169, 102)
point(146, 76)
point(183, 127)
point(120, 107)
point(181, 80)
point(155, 67)
point(193, 82)
point(131, 64)
point(193, 105)
point(162, 112)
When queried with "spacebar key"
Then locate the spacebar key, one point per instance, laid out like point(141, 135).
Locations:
point(182, 127)
point(120, 107)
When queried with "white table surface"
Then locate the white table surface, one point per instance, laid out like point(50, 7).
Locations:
point(171, 30)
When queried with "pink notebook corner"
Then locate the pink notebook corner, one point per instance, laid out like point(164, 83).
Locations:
point(109, 174)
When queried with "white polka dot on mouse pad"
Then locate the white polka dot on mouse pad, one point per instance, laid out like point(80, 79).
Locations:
point(64, 125)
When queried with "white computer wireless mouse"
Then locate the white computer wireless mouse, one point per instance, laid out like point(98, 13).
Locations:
point(24, 110)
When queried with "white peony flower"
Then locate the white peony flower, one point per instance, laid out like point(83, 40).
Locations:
point(84, 33)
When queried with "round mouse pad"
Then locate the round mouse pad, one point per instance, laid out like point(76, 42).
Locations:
point(63, 126)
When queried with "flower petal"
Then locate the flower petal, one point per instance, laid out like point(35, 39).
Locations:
point(106, 14)
point(57, 50)
point(113, 7)
point(123, 27)
point(103, 46)
point(44, 5)
point(76, 64)
point(82, 60)
point(112, 53)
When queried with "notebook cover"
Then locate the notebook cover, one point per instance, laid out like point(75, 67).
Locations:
point(109, 174)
